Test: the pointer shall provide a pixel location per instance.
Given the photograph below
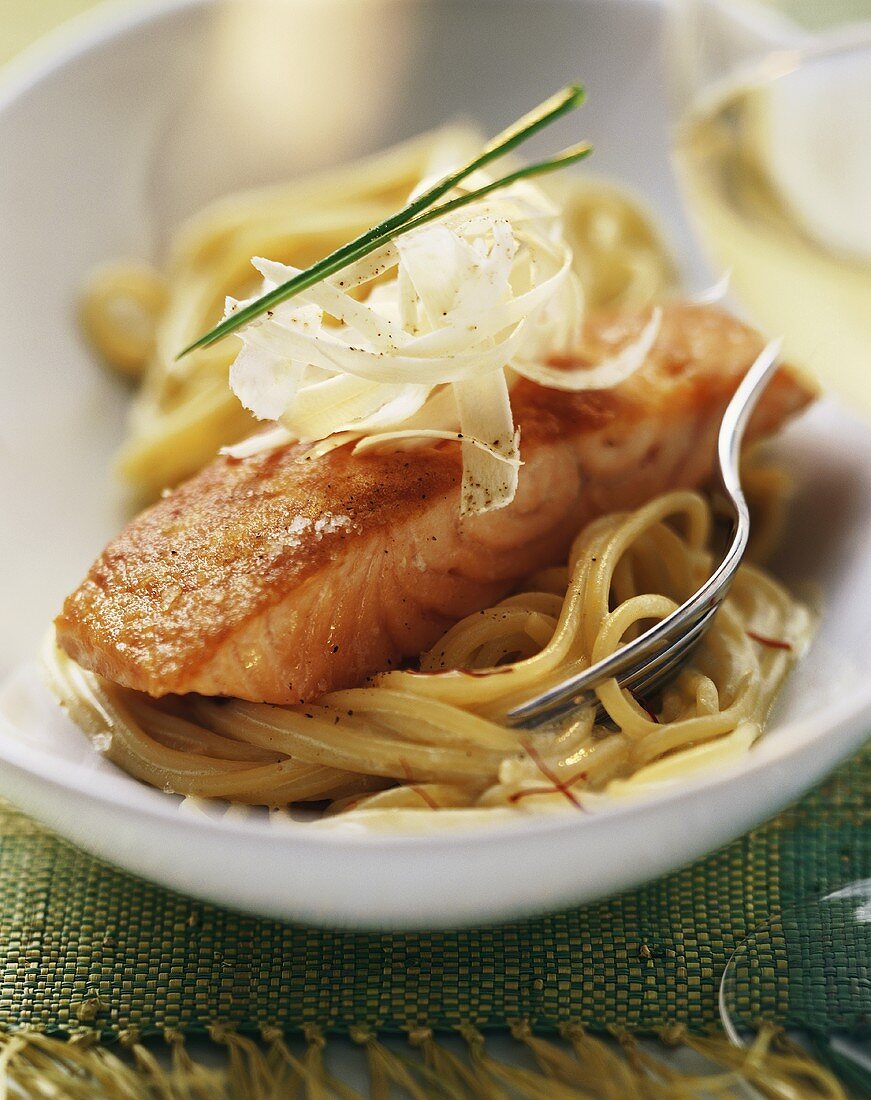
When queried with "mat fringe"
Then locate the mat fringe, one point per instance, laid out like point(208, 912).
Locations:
point(581, 1067)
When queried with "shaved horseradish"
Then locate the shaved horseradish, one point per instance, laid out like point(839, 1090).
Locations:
point(456, 311)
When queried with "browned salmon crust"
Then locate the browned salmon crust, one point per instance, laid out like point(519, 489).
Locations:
point(274, 579)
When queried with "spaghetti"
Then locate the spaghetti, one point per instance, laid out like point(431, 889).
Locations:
point(137, 318)
point(435, 737)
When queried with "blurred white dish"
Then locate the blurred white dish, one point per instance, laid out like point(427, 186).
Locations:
point(112, 137)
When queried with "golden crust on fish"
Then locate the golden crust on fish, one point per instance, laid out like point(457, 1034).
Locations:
point(275, 579)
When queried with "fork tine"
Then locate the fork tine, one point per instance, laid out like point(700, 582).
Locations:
point(647, 679)
point(663, 668)
point(658, 653)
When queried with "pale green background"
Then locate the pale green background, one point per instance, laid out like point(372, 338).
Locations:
point(21, 21)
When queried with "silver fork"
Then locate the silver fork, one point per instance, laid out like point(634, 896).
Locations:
point(649, 661)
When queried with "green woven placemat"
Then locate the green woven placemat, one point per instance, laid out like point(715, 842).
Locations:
point(83, 944)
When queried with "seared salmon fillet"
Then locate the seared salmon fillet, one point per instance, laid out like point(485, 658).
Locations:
point(274, 579)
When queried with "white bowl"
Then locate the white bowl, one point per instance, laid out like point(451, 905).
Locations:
point(111, 136)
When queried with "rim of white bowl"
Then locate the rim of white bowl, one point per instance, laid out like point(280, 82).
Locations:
point(90, 29)
point(776, 746)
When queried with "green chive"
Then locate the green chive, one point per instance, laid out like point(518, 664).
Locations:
point(416, 212)
point(540, 168)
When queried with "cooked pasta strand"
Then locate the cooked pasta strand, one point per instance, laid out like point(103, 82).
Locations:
point(436, 737)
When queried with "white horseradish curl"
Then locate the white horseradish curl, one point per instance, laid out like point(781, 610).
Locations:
point(456, 311)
